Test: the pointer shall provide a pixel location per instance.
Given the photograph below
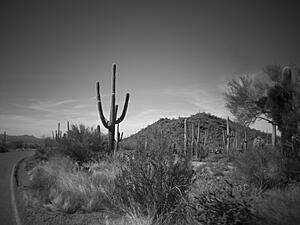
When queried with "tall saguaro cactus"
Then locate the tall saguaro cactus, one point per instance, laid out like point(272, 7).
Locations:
point(110, 124)
point(273, 135)
point(185, 143)
point(193, 141)
point(228, 135)
point(58, 132)
point(245, 139)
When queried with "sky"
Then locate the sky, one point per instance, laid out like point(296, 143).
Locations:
point(173, 57)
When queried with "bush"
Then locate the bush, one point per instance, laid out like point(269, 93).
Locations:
point(262, 167)
point(83, 143)
point(153, 181)
point(292, 168)
point(49, 142)
point(3, 148)
point(280, 207)
point(17, 144)
point(219, 201)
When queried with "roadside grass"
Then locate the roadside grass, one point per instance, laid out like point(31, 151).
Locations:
point(155, 187)
point(61, 185)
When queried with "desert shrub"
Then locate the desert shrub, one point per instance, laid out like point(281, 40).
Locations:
point(214, 157)
point(262, 167)
point(219, 201)
point(154, 181)
point(292, 168)
point(49, 142)
point(83, 143)
point(43, 154)
point(59, 184)
point(3, 148)
point(32, 146)
point(17, 144)
point(280, 206)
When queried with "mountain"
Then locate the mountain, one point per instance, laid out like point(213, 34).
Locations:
point(171, 132)
point(27, 139)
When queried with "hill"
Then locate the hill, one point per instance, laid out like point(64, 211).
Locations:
point(27, 139)
point(171, 132)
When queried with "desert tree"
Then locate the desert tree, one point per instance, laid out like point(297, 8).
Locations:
point(276, 101)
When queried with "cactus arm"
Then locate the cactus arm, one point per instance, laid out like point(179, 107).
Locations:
point(102, 117)
point(116, 112)
point(124, 110)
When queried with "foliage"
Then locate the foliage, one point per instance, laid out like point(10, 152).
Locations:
point(280, 206)
point(18, 144)
point(219, 201)
point(242, 99)
point(83, 143)
point(262, 167)
point(49, 142)
point(153, 180)
point(277, 102)
point(3, 148)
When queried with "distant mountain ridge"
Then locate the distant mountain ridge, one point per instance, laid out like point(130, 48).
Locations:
point(25, 138)
point(171, 130)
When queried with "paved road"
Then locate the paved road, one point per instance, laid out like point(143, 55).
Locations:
point(7, 161)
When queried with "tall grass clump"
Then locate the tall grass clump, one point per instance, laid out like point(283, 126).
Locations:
point(83, 143)
point(153, 182)
point(59, 184)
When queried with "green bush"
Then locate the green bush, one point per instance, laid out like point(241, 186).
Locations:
point(154, 181)
point(83, 143)
point(264, 168)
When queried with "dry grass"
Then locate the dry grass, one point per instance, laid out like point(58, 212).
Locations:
point(131, 218)
point(61, 185)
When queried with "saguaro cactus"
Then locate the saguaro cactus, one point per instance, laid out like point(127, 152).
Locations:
point(4, 139)
point(185, 143)
point(68, 126)
point(273, 134)
point(110, 124)
point(245, 139)
point(198, 133)
point(228, 135)
point(193, 141)
point(58, 132)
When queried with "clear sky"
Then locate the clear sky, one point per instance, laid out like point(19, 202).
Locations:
point(173, 57)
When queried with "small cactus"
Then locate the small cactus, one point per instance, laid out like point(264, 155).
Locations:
point(119, 137)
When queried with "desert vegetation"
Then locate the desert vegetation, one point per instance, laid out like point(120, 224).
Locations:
point(152, 180)
point(17, 143)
